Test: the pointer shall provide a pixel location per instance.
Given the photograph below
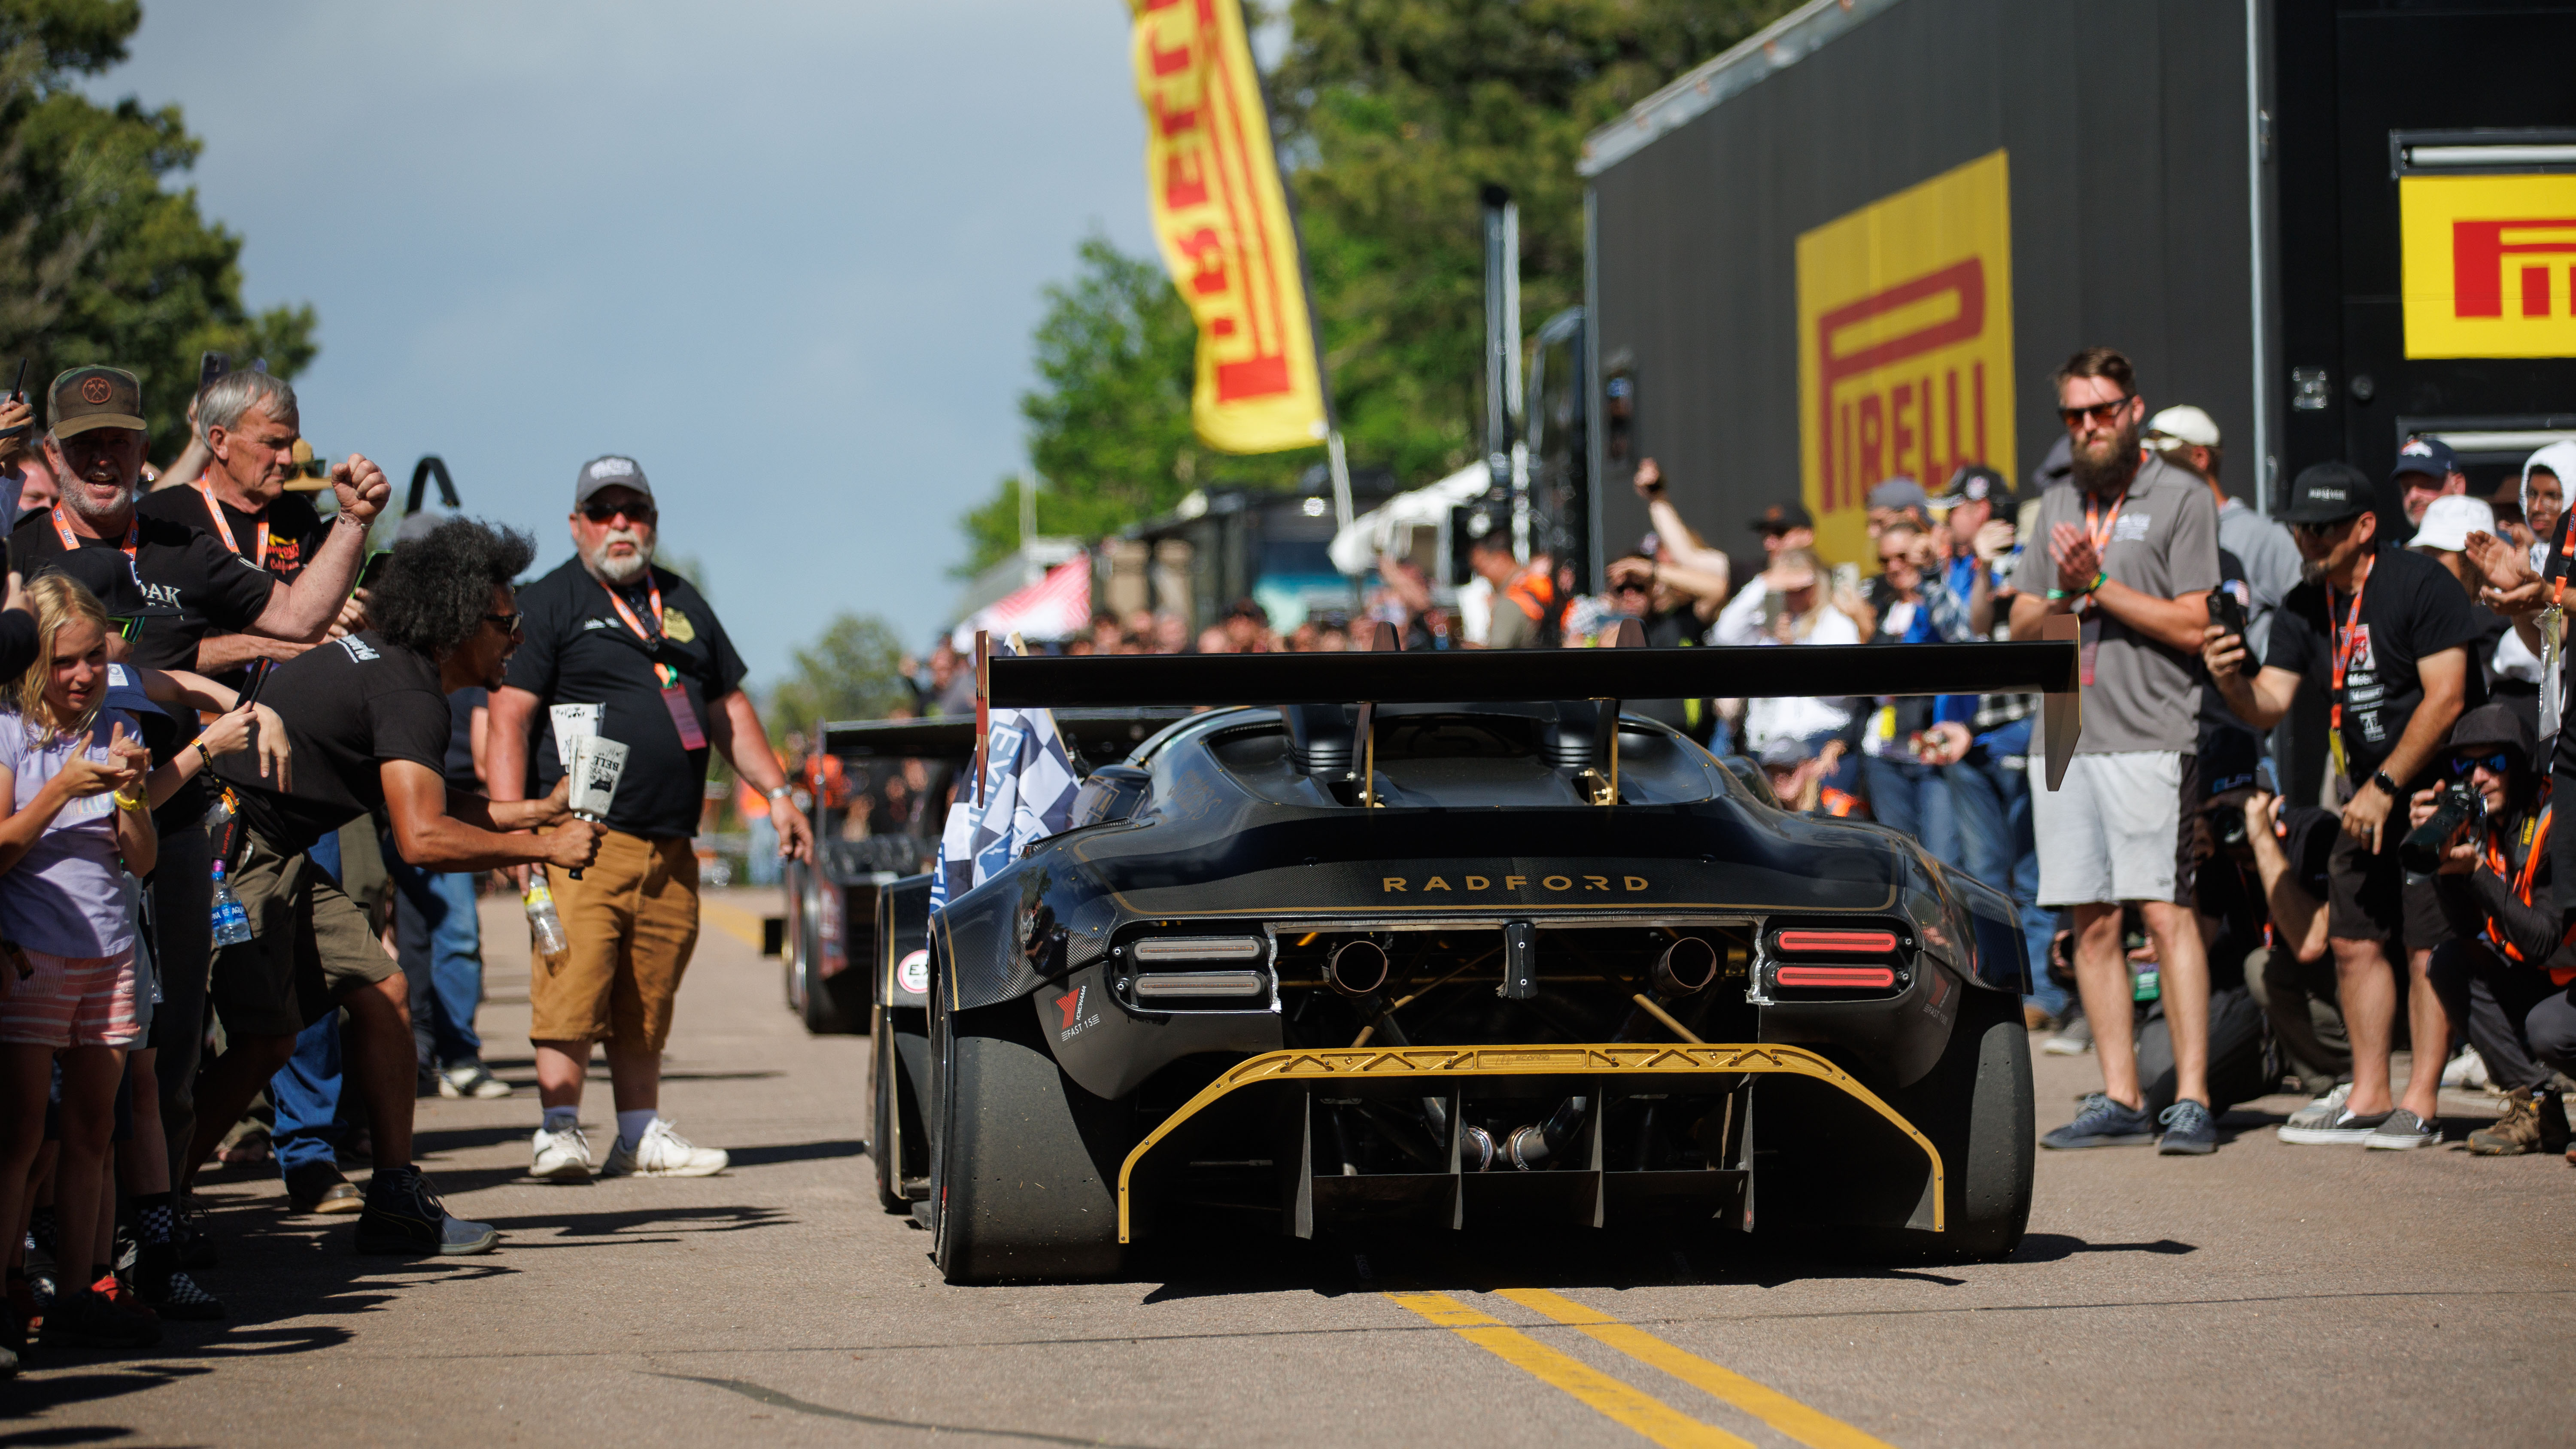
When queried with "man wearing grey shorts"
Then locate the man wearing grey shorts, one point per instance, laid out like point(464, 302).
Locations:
point(2134, 542)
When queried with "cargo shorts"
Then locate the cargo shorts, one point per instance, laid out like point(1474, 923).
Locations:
point(630, 925)
point(310, 946)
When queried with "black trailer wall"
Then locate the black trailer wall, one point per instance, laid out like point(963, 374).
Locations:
point(2126, 131)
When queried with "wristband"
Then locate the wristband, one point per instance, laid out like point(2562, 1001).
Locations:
point(135, 803)
point(2380, 778)
point(203, 758)
point(2099, 579)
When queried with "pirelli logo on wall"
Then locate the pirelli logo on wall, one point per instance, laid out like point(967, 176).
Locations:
point(2489, 265)
point(1905, 344)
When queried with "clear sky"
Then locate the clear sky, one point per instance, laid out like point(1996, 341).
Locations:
point(787, 254)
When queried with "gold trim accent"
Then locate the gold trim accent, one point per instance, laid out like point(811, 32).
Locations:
point(1607, 1059)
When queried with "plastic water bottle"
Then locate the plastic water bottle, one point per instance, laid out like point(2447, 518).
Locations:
point(232, 923)
point(544, 926)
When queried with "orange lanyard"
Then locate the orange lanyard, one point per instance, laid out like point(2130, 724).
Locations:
point(2099, 530)
point(2344, 639)
point(224, 527)
point(670, 677)
point(71, 540)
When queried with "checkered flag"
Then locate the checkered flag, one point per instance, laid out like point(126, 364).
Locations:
point(1029, 785)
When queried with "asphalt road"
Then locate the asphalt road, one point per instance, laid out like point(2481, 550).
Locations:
point(2266, 1295)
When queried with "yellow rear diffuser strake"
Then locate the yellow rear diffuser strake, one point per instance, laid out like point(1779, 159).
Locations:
point(1605, 1060)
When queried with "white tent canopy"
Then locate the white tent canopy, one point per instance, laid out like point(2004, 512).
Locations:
point(1388, 528)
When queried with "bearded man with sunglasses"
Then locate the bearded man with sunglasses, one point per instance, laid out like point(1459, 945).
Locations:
point(2134, 544)
point(2384, 633)
point(639, 651)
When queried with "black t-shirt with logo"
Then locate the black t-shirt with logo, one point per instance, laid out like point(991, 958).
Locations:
point(578, 650)
point(350, 705)
point(175, 565)
point(295, 529)
point(2410, 607)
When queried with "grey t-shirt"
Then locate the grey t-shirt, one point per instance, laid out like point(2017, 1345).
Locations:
point(2139, 694)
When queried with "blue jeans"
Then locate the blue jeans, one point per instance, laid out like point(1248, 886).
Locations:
point(1992, 802)
point(440, 942)
point(306, 1091)
point(1911, 796)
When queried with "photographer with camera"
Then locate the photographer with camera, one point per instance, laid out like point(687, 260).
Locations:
point(2485, 834)
point(2386, 634)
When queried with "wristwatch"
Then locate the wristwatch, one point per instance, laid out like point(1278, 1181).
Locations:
point(781, 793)
point(2380, 778)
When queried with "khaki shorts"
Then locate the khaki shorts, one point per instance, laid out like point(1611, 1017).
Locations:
point(630, 922)
point(309, 946)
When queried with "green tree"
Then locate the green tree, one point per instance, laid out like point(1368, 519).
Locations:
point(1402, 110)
point(1109, 429)
point(852, 671)
point(98, 261)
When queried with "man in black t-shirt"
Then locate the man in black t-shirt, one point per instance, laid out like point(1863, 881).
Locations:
point(637, 652)
point(2385, 634)
point(367, 715)
point(99, 535)
point(250, 422)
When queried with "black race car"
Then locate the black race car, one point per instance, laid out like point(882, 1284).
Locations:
point(1407, 959)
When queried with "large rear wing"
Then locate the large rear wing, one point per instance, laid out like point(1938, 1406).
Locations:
point(1385, 675)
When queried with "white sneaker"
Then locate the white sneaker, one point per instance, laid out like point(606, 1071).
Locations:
point(472, 1079)
point(561, 1156)
point(663, 1153)
point(2323, 1110)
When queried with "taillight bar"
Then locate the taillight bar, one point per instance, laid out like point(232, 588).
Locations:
point(1200, 948)
point(1870, 977)
point(1837, 943)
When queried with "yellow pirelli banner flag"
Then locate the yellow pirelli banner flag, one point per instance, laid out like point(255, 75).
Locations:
point(1905, 357)
point(1221, 215)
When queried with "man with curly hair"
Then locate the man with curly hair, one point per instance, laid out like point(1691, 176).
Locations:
point(367, 718)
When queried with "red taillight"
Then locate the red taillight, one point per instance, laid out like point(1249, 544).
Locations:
point(1877, 978)
point(1839, 943)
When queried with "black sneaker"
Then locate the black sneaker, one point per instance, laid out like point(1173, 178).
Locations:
point(168, 1288)
point(2346, 1128)
point(90, 1319)
point(404, 1216)
point(2189, 1132)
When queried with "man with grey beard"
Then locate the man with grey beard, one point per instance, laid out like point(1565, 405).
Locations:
point(634, 654)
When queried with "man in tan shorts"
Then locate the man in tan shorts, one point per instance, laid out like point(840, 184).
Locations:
point(637, 649)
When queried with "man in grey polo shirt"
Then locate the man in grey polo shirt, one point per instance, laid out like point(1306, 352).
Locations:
point(2135, 545)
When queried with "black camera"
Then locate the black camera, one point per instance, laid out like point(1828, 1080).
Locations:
point(2455, 805)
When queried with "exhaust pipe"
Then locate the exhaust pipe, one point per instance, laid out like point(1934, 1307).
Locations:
point(1687, 967)
point(1529, 1146)
point(1357, 968)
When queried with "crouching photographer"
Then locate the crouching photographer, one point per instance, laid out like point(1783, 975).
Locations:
point(2485, 834)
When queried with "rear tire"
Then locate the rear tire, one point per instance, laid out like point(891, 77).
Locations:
point(1025, 1169)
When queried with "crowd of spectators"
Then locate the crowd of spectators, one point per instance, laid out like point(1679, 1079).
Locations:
point(249, 795)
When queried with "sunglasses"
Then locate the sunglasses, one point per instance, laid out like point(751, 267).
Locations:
point(603, 512)
point(2323, 530)
point(510, 623)
point(2103, 413)
point(2496, 764)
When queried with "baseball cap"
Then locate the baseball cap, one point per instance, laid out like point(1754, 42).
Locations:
point(96, 397)
point(1899, 492)
point(1784, 751)
point(2327, 493)
point(1781, 517)
point(2429, 456)
point(609, 470)
point(2493, 724)
point(2450, 521)
point(1975, 483)
point(2184, 424)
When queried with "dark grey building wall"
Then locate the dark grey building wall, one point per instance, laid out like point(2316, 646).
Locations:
point(2125, 126)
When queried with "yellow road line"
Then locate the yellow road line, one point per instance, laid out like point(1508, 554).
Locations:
point(731, 919)
point(1597, 1390)
point(1806, 1425)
